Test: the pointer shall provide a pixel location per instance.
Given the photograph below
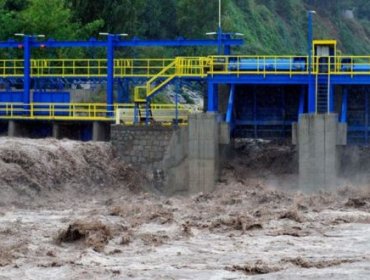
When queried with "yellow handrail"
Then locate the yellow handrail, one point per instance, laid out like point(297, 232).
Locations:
point(83, 111)
point(185, 66)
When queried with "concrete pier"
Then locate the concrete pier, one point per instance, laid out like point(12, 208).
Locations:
point(15, 129)
point(57, 131)
point(318, 137)
point(99, 131)
point(203, 152)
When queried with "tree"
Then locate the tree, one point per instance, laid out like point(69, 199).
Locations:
point(9, 20)
point(195, 17)
point(158, 19)
point(50, 17)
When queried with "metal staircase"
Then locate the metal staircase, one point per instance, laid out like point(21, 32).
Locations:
point(143, 112)
point(155, 83)
point(180, 67)
point(322, 93)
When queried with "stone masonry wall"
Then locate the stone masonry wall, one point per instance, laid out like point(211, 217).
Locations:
point(178, 160)
point(141, 145)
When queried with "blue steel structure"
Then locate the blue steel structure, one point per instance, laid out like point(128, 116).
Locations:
point(224, 41)
point(266, 93)
point(35, 88)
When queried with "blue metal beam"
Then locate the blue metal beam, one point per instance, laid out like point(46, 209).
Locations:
point(179, 43)
point(10, 44)
point(261, 79)
point(93, 43)
point(362, 79)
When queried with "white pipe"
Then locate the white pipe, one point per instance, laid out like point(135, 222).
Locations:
point(219, 13)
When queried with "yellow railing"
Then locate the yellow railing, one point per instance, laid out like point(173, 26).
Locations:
point(56, 111)
point(157, 113)
point(88, 111)
point(192, 66)
point(139, 67)
point(185, 66)
point(140, 94)
point(11, 68)
point(292, 65)
point(69, 68)
point(97, 67)
point(343, 65)
point(169, 72)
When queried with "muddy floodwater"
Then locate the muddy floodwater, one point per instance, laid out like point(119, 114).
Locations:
point(256, 225)
point(184, 239)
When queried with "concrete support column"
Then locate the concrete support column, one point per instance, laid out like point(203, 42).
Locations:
point(318, 138)
point(57, 131)
point(99, 131)
point(14, 129)
point(203, 152)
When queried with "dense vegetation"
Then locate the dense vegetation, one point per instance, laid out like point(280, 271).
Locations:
point(270, 26)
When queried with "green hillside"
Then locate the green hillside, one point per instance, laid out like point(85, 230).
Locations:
point(273, 26)
point(270, 26)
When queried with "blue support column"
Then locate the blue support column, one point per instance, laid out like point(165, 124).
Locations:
point(311, 79)
point(343, 115)
point(310, 40)
point(311, 95)
point(110, 74)
point(27, 74)
point(212, 97)
point(230, 105)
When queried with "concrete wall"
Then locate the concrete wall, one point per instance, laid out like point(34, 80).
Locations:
point(180, 160)
point(175, 164)
point(141, 145)
point(203, 152)
point(318, 137)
